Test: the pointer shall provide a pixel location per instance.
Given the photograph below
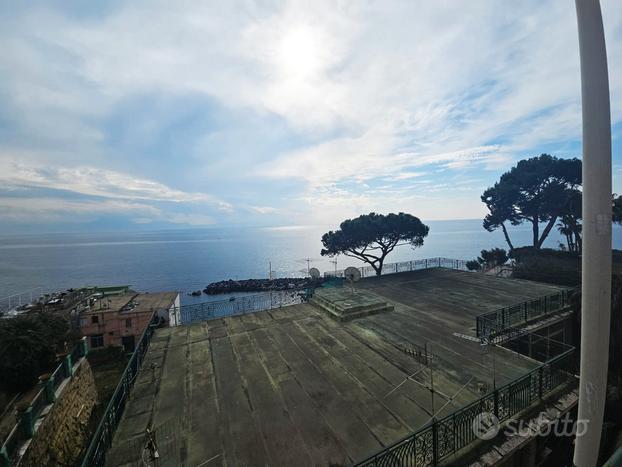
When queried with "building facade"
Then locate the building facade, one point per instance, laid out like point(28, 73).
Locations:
point(120, 320)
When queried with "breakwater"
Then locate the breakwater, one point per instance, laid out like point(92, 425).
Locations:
point(260, 285)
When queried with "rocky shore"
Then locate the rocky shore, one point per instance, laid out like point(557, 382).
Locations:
point(260, 285)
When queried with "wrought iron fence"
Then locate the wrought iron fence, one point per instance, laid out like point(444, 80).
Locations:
point(442, 438)
point(25, 426)
point(405, 266)
point(102, 439)
point(497, 321)
point(241, 305)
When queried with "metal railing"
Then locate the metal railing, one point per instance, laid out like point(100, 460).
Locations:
point(58, 376)
point(442, 438)
point(494, 322)
point(25, 297)
point(102, 439)
point(406, 266)
point(27, 417)
point(241, 305)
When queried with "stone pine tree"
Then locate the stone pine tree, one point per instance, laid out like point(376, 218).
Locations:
point(371, 237)
point(616, 208)
point(536, 190)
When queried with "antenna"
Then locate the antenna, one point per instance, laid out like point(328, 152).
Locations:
point(334, 261)
point(308, 261)
point(314, 273)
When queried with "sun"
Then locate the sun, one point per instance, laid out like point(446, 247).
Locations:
point(299, 53)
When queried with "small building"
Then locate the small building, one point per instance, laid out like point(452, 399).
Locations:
point(119, 320)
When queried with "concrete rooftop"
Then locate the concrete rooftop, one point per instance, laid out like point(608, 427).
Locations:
point(293, 387)
point(144, 302)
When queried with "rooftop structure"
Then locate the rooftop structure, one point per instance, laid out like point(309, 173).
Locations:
point(294, 386)
point(121, 319)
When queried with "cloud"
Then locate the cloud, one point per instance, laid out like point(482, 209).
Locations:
point(112, 103)
point(191, 219)
point(92, 181)
point(263, 209)
point(49, 209)
point(405, 175)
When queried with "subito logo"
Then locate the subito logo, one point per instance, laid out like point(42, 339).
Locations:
point(486, 425)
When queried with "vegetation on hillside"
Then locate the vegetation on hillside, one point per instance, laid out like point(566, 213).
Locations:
point(488, 259)
point(29, 345)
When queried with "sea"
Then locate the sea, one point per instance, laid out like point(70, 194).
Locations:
point(187, 260)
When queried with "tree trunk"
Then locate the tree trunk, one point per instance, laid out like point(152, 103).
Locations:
point(379, 268)
point(536, 233)
point(507, 237)
point(547, 230)
point(578, 240)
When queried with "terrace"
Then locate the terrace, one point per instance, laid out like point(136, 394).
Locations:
point(292, 386)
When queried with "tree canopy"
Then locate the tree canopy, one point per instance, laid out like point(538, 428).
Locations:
point(538, 190)
point(488, 259)
point(371, 237)
point(28, 347)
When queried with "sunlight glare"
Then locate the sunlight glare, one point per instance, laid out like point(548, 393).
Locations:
point(299, 53)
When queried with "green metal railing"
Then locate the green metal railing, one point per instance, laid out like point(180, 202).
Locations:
point(497, 321)
point(102, 439)
point(25, 427)
point(444, 437)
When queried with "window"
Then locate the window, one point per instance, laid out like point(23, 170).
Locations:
point(97, 340)
point(128, 323)
point(94, 319)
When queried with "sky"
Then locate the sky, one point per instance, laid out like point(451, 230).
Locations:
point(159, 114)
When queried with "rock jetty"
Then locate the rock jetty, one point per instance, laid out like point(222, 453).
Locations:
point(260, 285)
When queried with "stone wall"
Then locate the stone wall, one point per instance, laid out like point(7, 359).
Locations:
point(63, 432)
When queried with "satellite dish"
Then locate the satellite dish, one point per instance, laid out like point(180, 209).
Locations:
point(314, 273)
point(352, 274)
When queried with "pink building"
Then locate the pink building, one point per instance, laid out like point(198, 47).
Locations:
point(120, 320)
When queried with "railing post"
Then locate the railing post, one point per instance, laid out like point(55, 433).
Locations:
point(68, 365)
point(5, 461)
point(545, 305)
point(435, 458)
point(526, 312)
point(496, 400)
point(27, 422)
point(453, 419)
point(85, 346)
point(411, 265)
point(426, 263)
point(50, 395)
point(540, 371)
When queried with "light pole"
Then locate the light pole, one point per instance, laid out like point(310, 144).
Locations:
point(596, 254)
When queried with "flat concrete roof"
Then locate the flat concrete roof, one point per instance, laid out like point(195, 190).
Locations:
point(293, 387)
point(144, 302)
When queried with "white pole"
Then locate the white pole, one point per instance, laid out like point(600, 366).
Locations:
point(596, 257)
